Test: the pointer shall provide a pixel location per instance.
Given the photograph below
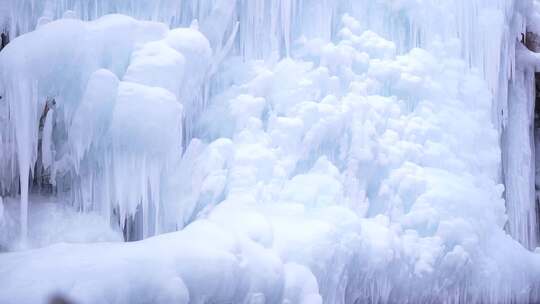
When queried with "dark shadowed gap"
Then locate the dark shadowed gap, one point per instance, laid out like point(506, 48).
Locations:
point(537, 148)
point(41, 181)
point(532, 41)
point(4, 40)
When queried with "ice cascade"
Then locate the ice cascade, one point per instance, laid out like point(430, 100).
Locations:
point(261, 151)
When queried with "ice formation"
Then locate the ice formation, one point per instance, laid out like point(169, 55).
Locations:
point(261, 151)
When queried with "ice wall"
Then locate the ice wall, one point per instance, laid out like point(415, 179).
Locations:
point(483, 33)
point(312, 151)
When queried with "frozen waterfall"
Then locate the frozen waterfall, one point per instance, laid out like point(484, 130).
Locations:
point(269, 151)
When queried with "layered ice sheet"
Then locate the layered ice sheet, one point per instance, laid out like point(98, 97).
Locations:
point(302, 151)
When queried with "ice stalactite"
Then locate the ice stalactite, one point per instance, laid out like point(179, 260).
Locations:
point(518, 145)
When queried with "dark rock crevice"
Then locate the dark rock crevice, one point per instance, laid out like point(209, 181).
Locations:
point(4, 40)
point(532, 41)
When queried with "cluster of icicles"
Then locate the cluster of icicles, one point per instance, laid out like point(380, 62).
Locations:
point(251, 29)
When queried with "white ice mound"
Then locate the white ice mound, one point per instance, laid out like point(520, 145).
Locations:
point(146, 120)
point(157, 64)
point(92, 119)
